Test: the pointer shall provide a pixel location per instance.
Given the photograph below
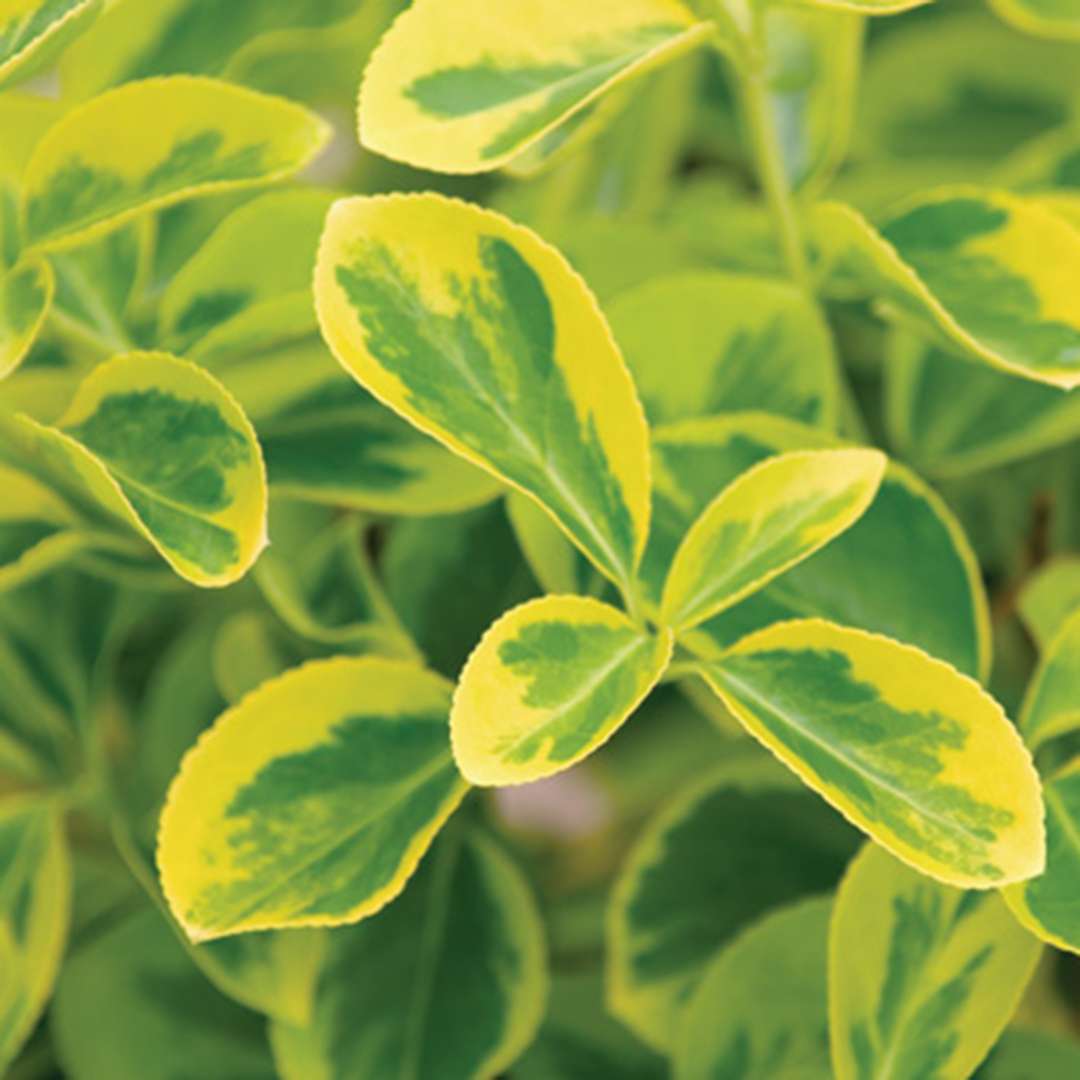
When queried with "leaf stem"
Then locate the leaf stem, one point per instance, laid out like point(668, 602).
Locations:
point(768, 154)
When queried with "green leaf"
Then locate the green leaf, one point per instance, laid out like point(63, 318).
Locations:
point(1047, 18)
point(1052, 704)
point(549, 682)
point(973, 91)
point(437, 99)
point(150, 144)
point(161, 445)
point(989, 272)
point(701, 343)
point(35, 902)
point(337, 446)
point(744, 840)
point(1049, 905)
point(134, 40)
point(448, 982)
point(951, 417)
point(556, 564)
point(130, 1003)
point(867, 7)
point(465, 563)
point(908, 749)
point(464, 323)
point(922, 977)
point(860, 579)
point(26, 294)
point(1049, 597)
point(1030, 1055)
point(312, 825)
point(772, 517)
point(262, 254)
point(760, 1008)
point(33, 31)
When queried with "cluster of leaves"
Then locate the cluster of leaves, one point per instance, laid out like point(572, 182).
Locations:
point(567, 398)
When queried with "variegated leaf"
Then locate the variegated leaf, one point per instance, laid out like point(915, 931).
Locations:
point(26, 293)
point(908, 749)
point(261, 256)
point(742, 841)
point(702, 343)
point(160, 444)
point(34, 31)
point(462, 321)
point(772, 517)
point(1049, 905)
point(923, 978)
point(450, 979)
point(860, 578)
point(549, 682)
point(271, 823)
point(1052, 705)
point(760, 1008)
point(990, 272)
point(438, 99)
point(35, 901)
point(1046, 18)
point(149, 144)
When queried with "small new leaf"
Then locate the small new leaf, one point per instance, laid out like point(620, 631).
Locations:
point(771, 518)
point(550, 681)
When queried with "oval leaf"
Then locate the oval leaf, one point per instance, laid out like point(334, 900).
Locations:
point(272, 823)
point(760, 1009)
point(150, 144)
point(481, 335)
point(33, 31)
point(923, 978)
point(861, 578)
point(743, 841)
point(1049, 905)
point(1052, 705)
point(439, 99)
point(1049, 597)
point(991, 272)
point(263, 252)
point(35, 900)
point(709, 342)
point(161, 444)
point(907, 748)
point(461, 977)
point(129, 999)
point(26, 294)
point(772, 517)
point(549, 682)
point(1047, 18)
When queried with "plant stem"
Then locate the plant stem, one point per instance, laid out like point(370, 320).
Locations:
point(769, 157)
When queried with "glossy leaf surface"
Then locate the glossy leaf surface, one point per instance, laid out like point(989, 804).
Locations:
point(149, 144)
point(765, 522)
point(922, 977)
point(160, 444)
point(436, 99)
point(450, 979)
point(907, 748)
point(461, 321)
point(549, 682)
point(257, 833)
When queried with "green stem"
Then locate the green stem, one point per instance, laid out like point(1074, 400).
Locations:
point(769, 157)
